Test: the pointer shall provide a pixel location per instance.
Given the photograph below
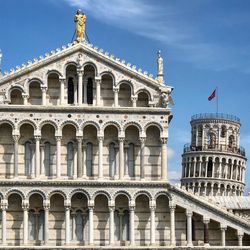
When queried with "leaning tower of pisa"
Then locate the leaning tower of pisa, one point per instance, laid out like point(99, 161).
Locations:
point(214, 163)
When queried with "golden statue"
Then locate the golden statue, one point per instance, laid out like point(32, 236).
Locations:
point(80, 20)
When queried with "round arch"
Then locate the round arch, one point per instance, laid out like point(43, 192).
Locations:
point(9, 122)
point(36, 191)
point(48, 122)
point(54, 192)
point(155, 124)
point(79, 190)
point(142, 192)
point(122, 192)
point(163, 193)
point(128, 83)
point(101, 192)
point(114, 123)
point(68, 122)
point(93, 123)
point(27, 122)
point(109, 74)
point(132, 123)
point(91, 64)
point(144, 90)
point(14, 191)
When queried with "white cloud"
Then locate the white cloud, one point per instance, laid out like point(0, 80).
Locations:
point(171, 153)
point(164, 25)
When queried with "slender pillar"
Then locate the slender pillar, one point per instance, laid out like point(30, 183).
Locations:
point(206, 231)
point(200, 161)
point(189, 215)
point(85, 83)
point(223, 229)
point(152, 222)
point(142, 140)
point(133, 99)
point(44, 90)
point(91, 222)
point(62, 86)
point(25, 206)
point(79, 156)
point(25, 99)
point(164, 158)
point(132, 221)
point(116, 103)
point(98, 90)
point(240, 235)
point(79, 73)
point(46, 206)
point(15, 139)
point(58, 156)
point(121, 157)
point(206, 166)
point(37, 155)
point(75, 93)
point(172, 224)
point(111, 224)
point(67, 206)
point(100, 157)
point(4, 206)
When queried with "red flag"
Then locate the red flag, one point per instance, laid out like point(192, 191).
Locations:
point(212, 96)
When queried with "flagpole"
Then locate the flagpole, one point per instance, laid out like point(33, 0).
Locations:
point(217, 100)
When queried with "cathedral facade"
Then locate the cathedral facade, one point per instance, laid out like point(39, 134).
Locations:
point(83, 159)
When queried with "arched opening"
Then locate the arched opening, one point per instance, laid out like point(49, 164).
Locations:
point(121, 220)
point(90, 91)
point(132, 152)
point(14, 220)
point(35, 93)
point(101, 225)
point(223, 131)
point(107, 95)
point(231, 141)
point(152, 158)
point(7, 151)
point(110, 163)
point(79, 219)
point(36, 219)
point(16, 97)
point(71, 73)
point(210, 167)
point(162, 220)
point(69, 152)
point(27, 167)
point(124, 95)
point(143, 99)
point(48, 151)
point(211, 140)
point(142, 216)
point(53, 92)
point(90, 151)
point(56, 220)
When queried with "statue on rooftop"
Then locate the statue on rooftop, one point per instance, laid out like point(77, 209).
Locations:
point(80, 20)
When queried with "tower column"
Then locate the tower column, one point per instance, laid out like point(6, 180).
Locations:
point(164, 166)
point(91, 222)
point(189, 215)
point(25, 207)
point(67, 206)
point(142, 155)
point(44, 90)
point(4, 206)
point(100, 157)
point(58, 156)
point(98, 90)
point(132, 221)
point(223, 229)
point(80, 74)
point(15, 139)
point(121, 157)
point(116, 90)
point(152, 222)
point(79, 156)
point(206, 231)
point(172, 224)
point(240, 235)
point(46, 206)
point(37, 155)
point(111, 223)
point(62, 86)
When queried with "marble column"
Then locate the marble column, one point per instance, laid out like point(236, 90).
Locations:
point(37, 155)
point(240, 235)
point(189, 215)
point(134, 100)
point(25, 207)
point(223, 229)
point(62, 86)
point(85, 83)
point(4, 206)
point(172, 224)
point(200, 162)
point(142, 156)
point(15, 139)
point(121, 157)
point(111, 224)
point(58, 156)
point(46, 206)
point(116, 91)
point(44, 90)
point(132, 223)
point(67, 206)
point(98, 90)
point(164, 159)
point(152, 222)
point(206, 231)
point(75, 93)
point(80, 74)
point(100, 157)
point(25, 99)
point(91, 222)
point(79, 156)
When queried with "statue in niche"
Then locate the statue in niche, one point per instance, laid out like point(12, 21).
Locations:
point(80, 20)
point(166, 99)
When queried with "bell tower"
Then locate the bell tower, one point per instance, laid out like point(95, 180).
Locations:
point(214, 164)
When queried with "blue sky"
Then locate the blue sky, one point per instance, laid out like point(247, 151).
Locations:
point(204, 44)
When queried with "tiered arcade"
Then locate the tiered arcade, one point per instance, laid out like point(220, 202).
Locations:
point(214, 163)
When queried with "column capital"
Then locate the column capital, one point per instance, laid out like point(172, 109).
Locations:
point(4, 204)
point(240, 233)
point(121, 139)
point(111, 208)
point(116, 89)
point(44, 88)
point(134, 98)
point(37, 137)
point(98, 79)
point(164, 140)
point(91, 204)
point(67, 204)
point(46, 204)
point(15, 137)
point(62, 79)
point(80, 72)
point(142, 140)
point(100, 138)
point(25, 205)
point(58, 138)
point(205, 220)
point(132, 205)
point(223, 227)
point(79, 138)
point(172, 207)
point(189, 213)
point(24, 95)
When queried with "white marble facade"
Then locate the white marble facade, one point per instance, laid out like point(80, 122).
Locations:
point(83, 159)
